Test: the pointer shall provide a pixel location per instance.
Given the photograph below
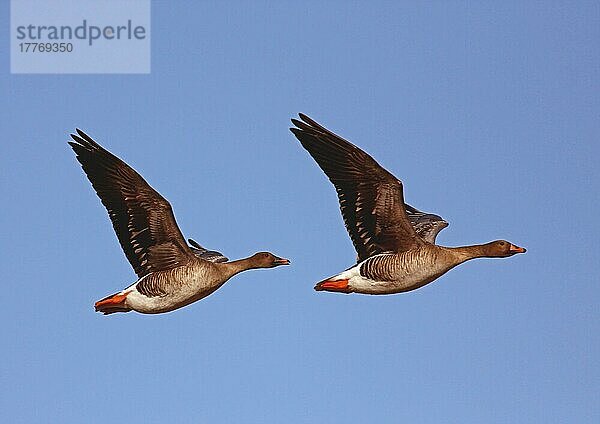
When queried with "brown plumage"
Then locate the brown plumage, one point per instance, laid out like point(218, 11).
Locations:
point(143, 220)
point(170, 273)
point(392, 256)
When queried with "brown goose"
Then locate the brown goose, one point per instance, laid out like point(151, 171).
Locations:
point(392, 256)
point(170, 273)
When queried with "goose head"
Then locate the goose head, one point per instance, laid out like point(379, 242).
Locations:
point(267, 260)
point(502, 249)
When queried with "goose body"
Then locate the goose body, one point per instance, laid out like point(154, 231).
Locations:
point(175, 288)
point(389, 273)
point(394, 241)
point(171, 274)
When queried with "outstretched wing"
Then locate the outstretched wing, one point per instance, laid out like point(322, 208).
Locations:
point(207, 255)
point(371, 199)
point(141, 217)
point(427, 225)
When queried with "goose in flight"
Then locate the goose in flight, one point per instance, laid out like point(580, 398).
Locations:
point(170, 273)
point(394, 254)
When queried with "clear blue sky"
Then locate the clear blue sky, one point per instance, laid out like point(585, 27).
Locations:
point(489, 114)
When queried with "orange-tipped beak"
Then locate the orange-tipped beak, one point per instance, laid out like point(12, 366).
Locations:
point(281, 261)
point(516, 249)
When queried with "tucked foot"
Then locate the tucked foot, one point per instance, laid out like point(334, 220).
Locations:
point(111, 304)
point(340, 286)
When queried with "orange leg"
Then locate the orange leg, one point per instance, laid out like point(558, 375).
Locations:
point(334, 286)
point(111, 302)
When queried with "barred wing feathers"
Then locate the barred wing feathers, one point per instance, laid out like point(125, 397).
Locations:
point(142, 219)
point(371, 199)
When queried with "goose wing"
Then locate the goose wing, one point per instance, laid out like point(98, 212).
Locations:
point(204, 253)
point(427, 225)
point(143, 220)
point(371, 199)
